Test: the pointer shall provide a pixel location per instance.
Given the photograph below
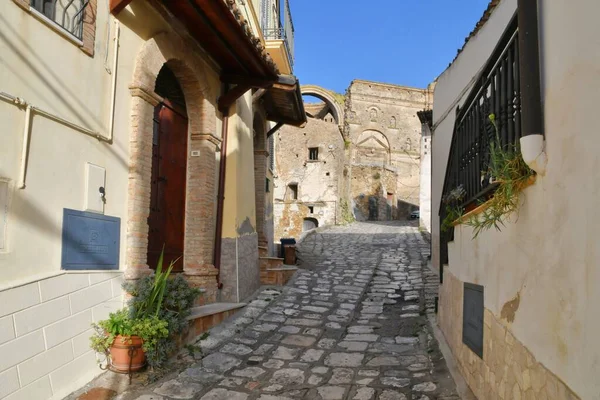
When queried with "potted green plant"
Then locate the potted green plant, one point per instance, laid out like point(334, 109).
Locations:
point(129, 334)
point(125, 341)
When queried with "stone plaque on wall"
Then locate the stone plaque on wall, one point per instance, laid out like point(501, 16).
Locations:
point(473, 318)
point(90, 241)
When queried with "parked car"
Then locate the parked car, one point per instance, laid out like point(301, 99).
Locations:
point(415, 214)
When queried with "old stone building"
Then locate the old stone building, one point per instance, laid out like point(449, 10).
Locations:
point(309, 169)
point(383, 156)
point(357, 158)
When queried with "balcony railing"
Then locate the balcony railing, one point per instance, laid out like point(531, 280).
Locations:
point(67, 14)
point(497, 92)
point(283, 31)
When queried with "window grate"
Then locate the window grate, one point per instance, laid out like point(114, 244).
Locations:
point(313, 153)
point(68, 14)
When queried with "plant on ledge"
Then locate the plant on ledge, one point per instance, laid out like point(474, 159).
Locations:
point(172, 303)
point(454, 209)
point(508, 170)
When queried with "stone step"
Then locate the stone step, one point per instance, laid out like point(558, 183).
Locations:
point(284, 268)
point(205, 317)
point(214, 308)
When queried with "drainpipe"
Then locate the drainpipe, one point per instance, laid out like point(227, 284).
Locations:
point(532, 140)
point(221, 198)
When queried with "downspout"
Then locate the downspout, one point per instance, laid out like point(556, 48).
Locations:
point(221, 197)
point(532, 140)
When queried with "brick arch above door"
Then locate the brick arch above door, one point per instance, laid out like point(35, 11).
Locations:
point(194, 78)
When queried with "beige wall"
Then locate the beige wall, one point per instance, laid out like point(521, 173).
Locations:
point(547, 258)
point(55, 75)
point(52, 73)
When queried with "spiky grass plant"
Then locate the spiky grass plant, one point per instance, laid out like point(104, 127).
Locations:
point(511, 173)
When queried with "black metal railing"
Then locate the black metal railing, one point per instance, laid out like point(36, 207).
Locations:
point(496, 92)
point(284, 29)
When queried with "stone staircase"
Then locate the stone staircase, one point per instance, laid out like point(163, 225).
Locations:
point(272, 269)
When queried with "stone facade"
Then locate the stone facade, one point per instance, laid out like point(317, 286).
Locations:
point(368, 167)
point(317, 181)
point(385, 134)
point(508, 370)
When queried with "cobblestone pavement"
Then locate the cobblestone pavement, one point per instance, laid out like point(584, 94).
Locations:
point(350, 325)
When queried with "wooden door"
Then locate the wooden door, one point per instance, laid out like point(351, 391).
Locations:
point(168, 186)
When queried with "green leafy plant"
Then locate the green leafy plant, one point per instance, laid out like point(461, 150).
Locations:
point(168, 299)
point(151, 304)
point(454, 210)
point(508, 170)
point(453, 213)
point(151, 330)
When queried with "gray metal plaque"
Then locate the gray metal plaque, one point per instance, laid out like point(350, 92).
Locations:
point(473, 318)
point(90, 241)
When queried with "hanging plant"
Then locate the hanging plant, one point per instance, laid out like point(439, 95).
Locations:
point(508, 170)
point(454, 210)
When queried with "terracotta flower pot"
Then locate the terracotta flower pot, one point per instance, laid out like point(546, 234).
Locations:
point(127, 355)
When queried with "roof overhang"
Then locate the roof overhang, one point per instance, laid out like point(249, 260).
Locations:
point(283, 102)
point(219, 27)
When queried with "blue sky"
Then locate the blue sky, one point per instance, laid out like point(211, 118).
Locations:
point(404, 42)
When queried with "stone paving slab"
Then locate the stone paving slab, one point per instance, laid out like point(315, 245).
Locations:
point(350, 325)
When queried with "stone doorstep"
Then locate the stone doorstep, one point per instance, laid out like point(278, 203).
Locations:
point(212, 309)
point(284, 268)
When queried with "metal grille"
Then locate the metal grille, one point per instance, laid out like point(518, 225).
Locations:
point(497, 91)
point(279, 27)
point(68, 14)
point(271, 153)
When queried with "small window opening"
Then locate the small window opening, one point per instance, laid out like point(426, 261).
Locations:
point(267, 185)
point(313, 153)
point(293, 191)
point(327, 174)
point(311, 209)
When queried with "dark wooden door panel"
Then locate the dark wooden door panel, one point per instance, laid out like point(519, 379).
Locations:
point(169, 170)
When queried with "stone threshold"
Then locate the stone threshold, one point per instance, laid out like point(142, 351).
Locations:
point(212, 309)
point(284, 268)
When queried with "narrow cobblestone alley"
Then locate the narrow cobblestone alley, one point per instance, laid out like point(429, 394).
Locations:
point(352, 324)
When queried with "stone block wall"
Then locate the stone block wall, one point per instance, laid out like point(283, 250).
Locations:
point(45, 328)
point(508, 370)
point(382, 120)
point(318, 180)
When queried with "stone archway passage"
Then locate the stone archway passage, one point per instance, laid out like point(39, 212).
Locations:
point(309, 224)
point(327, 97)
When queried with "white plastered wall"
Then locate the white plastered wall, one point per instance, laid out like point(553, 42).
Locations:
point(549, 255)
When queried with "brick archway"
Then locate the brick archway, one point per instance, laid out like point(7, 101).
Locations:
point(201, 167)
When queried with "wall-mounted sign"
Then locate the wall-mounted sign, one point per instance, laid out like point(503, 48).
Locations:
point(90, 241)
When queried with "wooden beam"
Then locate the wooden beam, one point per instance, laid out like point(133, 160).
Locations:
point(257, 96)
point(253, 81)
point(226, 100)
point(116, 6)
point(275, 129)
